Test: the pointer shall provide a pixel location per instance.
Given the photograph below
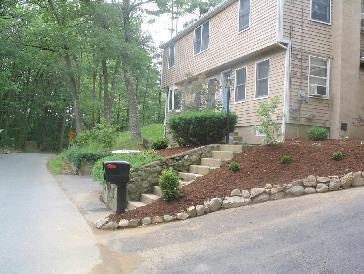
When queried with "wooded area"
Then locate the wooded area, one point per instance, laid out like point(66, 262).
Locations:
point(70, 65)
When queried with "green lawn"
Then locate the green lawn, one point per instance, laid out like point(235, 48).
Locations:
point(151, 133)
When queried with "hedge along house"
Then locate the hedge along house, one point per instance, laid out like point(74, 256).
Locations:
point(309, 53)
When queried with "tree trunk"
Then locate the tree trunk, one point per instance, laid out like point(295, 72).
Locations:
point(63, 128)
point(129, 80)
point(107, 108)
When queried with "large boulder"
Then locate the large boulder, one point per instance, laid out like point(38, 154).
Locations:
point(358, 179)
point(254, 192)
point(296, 190)
point(310, 181)
point(321, 188)
point(347, 181)
point(261, 198)
point(232, 202)
point(334, 184)
point(215, 204)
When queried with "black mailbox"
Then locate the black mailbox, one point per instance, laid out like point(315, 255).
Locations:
point(118, 173)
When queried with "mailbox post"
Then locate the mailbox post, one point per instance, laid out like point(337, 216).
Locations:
point(118, 173)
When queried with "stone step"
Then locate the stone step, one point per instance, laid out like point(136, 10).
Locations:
point(157, 191)
point(223, 155)
point(235, 134)
point(238, 139)
point(133, 205)
point(203, 170)
point(185, 183)
point(148, 198)
point(211, 162)
point(232, 148)
point(188, 176)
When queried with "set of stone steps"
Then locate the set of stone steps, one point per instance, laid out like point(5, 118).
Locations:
point(207, 165)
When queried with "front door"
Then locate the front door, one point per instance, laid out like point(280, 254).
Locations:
point(225, 90)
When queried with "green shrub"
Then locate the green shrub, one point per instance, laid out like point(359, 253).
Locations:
point(169, 184)
point(201, 128)
point(337, 156)
point(160, 144)
point(234, 166)
point(268, 121)
point(135, 159)
point(75, 155)
point(318, 133)
point(285, 159)
point(102, 136)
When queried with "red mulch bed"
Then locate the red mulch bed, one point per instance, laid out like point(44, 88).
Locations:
point(169, 152)
point(260, 166)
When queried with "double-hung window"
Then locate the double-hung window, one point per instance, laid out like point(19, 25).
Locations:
point(321, 11)
point(244, 14)
point(262, 79)
point(202, 37)
point(174, 100)
point(171, 54)
point(240, 86)
point(319, 77)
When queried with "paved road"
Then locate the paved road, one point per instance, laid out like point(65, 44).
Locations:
point(41, 231)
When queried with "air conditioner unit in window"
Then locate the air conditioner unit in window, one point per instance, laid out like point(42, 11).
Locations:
point(319, 91)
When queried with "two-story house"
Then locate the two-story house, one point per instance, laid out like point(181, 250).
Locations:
point(307, 52)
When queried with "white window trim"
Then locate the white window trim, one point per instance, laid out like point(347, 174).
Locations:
point(257, 133)
point(171, 93)
point(256, 79)
point(174, 61)
point(194, 39)
point(236, 84)
point(318, 21)
point(250, 17)
point(327, 96)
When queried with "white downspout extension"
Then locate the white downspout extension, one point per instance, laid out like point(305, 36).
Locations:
point(285, 117)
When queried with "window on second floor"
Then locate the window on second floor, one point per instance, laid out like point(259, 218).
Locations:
point(171, 54)
point(244, 14)
point(240, 86)
point(319, 77)
point(321, 11)
point(202, 37)
point(262, 79)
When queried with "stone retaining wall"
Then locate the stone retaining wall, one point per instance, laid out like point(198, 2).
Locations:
point(238, 198)
point(144, 178)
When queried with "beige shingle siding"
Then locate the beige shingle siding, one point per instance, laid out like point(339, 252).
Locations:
point(309, 38)
point(226, 43)
point(247, 110)
point(362, 41)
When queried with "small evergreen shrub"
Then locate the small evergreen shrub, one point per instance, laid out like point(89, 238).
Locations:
point(234, 166)
point(169, 184)
point(318, 134)
point(160, 144)
point(337, 156)
point(201, 128)
point(285, 159)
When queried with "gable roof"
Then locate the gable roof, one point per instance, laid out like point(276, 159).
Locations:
point(204, 18)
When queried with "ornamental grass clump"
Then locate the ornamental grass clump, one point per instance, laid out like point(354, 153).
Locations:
point(160, 144)
point(285, 160)
point(234, 166)
point(169, 184)
point(318, 134)
point(337, 156)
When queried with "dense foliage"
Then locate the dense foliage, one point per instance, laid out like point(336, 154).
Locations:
point(169, 184)
point(318, 133)
point(337, 156)
point(102, 136)
point(160, 144)
point(201, 128)
point(135, 159)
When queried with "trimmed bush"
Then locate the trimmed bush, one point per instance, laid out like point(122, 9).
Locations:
point(160, 144)
point(285, 159)
point(169, 184)
point(234, 166)
point(76, 155)
point(337, 156)
point(201, 128)
point(318, 133)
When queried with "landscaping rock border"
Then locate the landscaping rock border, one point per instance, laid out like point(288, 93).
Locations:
point(238, 198)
